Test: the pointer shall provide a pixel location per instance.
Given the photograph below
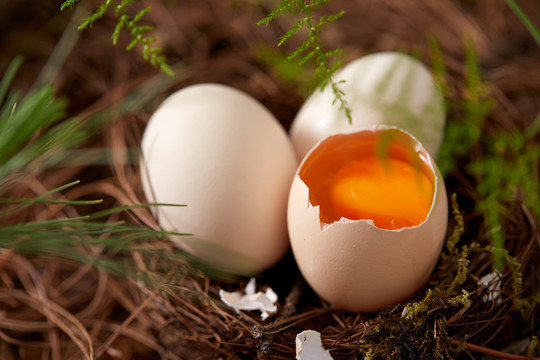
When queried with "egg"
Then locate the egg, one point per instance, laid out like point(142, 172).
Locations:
point(226, 157)
point(367, 218)
point(386, 88)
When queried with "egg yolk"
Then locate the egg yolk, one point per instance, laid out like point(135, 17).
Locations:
point(392, 193)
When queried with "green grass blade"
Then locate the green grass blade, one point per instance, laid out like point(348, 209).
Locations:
point(28, 202)
point(525, 19)
point(34, 112)
point(10, 73)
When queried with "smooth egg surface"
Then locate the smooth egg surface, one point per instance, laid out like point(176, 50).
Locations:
point(367, 218)
point(224, 155)
point(386, 88)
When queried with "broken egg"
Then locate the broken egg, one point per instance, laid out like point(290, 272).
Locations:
point(225, 156)
point(387, 88)
point(367, 218)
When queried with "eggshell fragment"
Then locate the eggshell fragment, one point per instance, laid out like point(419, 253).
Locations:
point(353, 264)
point(492, 283)
point(225, 156)
point(386, 88)
point(251, 300)
point(309, 346)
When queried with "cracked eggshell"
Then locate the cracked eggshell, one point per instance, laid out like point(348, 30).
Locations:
point(224, 155)
point(385, 88)
point(355, 265)
point(309, 346)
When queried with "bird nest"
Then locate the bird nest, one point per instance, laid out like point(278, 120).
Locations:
point(169, 307)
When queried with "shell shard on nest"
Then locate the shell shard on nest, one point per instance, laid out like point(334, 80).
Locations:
point(492, 282)
point(251, 300)
point(309, 346)
point(408, 311)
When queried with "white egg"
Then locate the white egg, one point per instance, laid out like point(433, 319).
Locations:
point(225, 156)
point(383, 88)
point(386, 254)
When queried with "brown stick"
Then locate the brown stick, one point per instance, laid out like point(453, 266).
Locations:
point(491, 352)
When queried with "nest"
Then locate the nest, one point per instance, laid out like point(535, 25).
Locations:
point(58, 309)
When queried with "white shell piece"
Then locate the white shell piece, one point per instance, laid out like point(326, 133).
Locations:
point(251, 300)
point(309, 346)
point(492, 282)
point(406, 314)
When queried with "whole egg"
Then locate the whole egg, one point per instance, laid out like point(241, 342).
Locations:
point(367, 218)
point(225, 156)
point(387, 88)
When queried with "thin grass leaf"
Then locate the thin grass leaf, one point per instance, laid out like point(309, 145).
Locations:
point(62, 50)
point(438, 68)
point(34, 112)
point(8, 76)
point(53, 202)
point(72, 239)
point(52, 146)
point(48, 150)
point(525, 20)
point(8, 109)
point(28, 202)
point(119, 209)
point(533, 129)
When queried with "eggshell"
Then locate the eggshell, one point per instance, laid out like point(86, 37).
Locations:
point(384, 88)
point(225, 156)
point(355, 265)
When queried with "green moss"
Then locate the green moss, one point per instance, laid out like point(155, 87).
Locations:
point(469, 110)
point(503, 162)
point(420, 331)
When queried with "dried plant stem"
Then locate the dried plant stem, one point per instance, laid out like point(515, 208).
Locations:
point(491, 352)
point(118, 331)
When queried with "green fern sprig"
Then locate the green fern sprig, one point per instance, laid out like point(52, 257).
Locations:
point(312, 48)
point(130, 23)
point(67, 3)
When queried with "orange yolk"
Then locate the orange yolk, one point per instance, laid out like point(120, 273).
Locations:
point(392, 193)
